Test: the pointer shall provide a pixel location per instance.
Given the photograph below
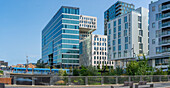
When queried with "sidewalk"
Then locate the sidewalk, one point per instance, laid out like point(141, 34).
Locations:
point(156, 85)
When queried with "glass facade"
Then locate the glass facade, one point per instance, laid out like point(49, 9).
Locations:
point(60, 38)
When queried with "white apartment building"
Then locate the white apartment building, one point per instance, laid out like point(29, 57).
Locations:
point(87, 24)
point(128, 36)
point(93, 51)
point(159, 35)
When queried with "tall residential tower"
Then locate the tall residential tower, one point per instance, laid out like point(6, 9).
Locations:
point(116, 10)
point(127, 35)
point(159, 35)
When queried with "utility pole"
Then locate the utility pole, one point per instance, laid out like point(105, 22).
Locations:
point(27, 63)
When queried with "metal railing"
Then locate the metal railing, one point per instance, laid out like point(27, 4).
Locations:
point(85, 80)
point(165, 6)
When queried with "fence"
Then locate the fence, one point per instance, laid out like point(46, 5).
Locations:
point(84, 80)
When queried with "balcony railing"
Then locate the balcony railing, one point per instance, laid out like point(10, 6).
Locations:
point(165, 24)
point(165, 41)
point(166, 15)
point(166, 32)
point(165, 6)
point(165, 50)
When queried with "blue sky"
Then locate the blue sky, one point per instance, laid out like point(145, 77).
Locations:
point(21, 23)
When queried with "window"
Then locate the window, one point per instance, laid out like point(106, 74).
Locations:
point(119, 21)
point(140, 51)
point(160, 24)
point(102, 39)
point(94, 39)
point(94, 48)
point(153, 8)
point(153, 41)
point(125, 19)
point(125, 53)
point(140, 25)
point(140, 46)
point(114, 36)
point(114, 23)
point(109, 31)
point(119, 47)
point(94, 62)
point(126, 46)
point(94, 57)
point(119, 54)
point(113, 42)
point(114, 55)
point(139, 18)
point(115, 30)
point(102, 44)
point(119, 41)
point(97, 39)
point(114, 48)
point(126, 39)
point(153, 25)
point(119, 28)
point(159, 7)
point(125, 32)
point(141, 32)
point(157, 17)
point(119, 34)
point(139, 39)
point(109, 25)
point(126, 25)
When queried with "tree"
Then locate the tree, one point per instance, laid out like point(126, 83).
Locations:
point(98, 67)
point(92, 71)
point(132, 68)
point(40, 64)
point(139, 67)
point(169, 66)
point(61, 72)
point(76, 72)
point(160, 72)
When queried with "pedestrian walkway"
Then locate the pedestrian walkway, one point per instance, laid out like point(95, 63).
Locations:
point(156, 85)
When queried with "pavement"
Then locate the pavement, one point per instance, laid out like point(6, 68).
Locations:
point(156, 85)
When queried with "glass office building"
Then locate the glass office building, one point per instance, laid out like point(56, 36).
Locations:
point(60, 38)
point(116, 10)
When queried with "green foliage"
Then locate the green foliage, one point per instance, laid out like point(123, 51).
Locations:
point(169, 66)
point(160, 72)
point(92, 71)
point(98, 67)
point(139, 67)
point(85, 71)
point(40, 64)
point(103, 67)
point(107, 67)
point(76, 72)
point(117, 71)
point(1, 72)
point(61, 72)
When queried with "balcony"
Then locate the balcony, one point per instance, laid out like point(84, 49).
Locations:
point(166, 24)
point(166, 42)
point(166, 15)
point(165, 50)
point(118, 9)
point(166, 33)
point(166, 7)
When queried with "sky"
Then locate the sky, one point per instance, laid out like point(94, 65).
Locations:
point(21, 23)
